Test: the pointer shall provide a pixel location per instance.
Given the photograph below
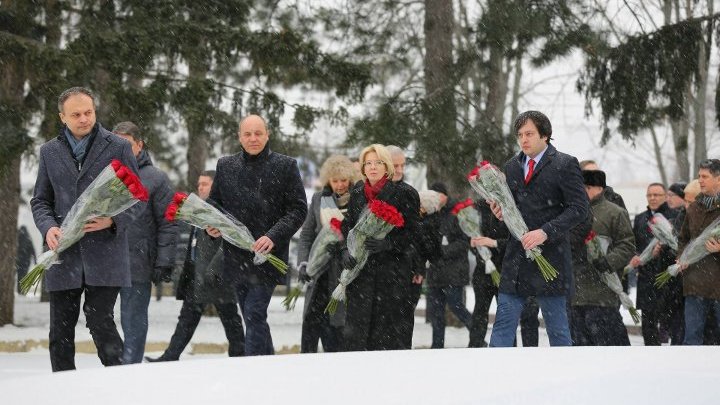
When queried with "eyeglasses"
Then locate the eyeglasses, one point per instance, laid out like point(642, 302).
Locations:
point(375, 163)
point(654, 195)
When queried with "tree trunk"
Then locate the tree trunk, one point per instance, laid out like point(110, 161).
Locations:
point(197, 152)
point(701, 94)
point(517, 79)
point(658, 156)
point(440, 109)
point(50, 124)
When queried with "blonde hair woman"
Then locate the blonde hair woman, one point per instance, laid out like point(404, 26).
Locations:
point(337, 175)
point(375, 298)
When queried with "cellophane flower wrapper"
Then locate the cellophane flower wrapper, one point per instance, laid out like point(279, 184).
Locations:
point(663, 231)
point(195, 211)
point(318, 258)
point(597, 247)
point(489, 182)
point(470, 223)
point(113, 191)
point(645, 256)
point(376, 221)
point(694, 252)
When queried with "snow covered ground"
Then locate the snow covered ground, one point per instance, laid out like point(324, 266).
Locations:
point(453, 376)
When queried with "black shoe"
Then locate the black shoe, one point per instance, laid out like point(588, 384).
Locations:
point(158, 359)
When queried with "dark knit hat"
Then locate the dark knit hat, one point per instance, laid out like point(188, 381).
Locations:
point(594, 178)
point(439, 187)
point(678, 189)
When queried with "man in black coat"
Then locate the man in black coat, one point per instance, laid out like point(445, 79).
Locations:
point(151, 239)
point(649, 298)
point(263, 190)
point(25, 253)
point(547, 187)
point(98, 264)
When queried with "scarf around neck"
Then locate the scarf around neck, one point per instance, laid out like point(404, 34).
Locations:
point(79, 148)
point(371, 192)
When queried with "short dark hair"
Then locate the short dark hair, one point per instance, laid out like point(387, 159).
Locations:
point(657, 185)
point(713, 165)
point(72, 91)
point(128, 128)
point(541, 121)
point(208, 173)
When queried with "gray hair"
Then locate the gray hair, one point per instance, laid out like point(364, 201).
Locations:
point(128, 128)
point(73, 91)
point(395, 150)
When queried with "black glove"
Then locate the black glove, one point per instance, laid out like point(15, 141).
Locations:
point(348, 261)
point(335, 249)
point(302, 273)
point(162, 274)
point(601, 264)
point(377, 245)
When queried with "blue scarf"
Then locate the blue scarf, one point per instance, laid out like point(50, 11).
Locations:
point(79, 148)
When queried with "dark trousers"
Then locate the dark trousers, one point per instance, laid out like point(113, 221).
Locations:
point(98, 309)
point(437, 299)
point(316, 322)
point(254, 300)
point(598, 326)
point(189, 319)
point(484, 290)
point(650, 326)
point(374, 302)
point(406, 325)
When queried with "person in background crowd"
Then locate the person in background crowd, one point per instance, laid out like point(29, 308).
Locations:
point(610, 194)
point(547, 187)
point(376, 297)
point(151, 239)
point(25, 254)
point(448, 274)
point(648, 296)
point(701, 280)
point(263, 190)
point(98, 265)
point(201, 284)
point(337, 175)
point(595, 318)
point(672, 325)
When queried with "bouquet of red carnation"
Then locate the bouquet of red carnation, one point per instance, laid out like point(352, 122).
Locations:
point(489, 182)
point(469, 220)
point(375, 222)
point(597, 247)
point(197, 212)
point(115, 189)
point(663, 230)
point(318, 258)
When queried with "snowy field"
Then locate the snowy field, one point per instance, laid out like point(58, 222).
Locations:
point(637, 375)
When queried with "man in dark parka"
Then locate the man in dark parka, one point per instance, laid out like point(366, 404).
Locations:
point(263, 190)
point(98, 264)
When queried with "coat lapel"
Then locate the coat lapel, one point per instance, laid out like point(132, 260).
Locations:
point(98, 146)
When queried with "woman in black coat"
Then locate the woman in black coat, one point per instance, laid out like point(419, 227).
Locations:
point(374, 298)
point(337, 174)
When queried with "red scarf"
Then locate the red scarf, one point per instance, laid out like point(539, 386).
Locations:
point(371, 192)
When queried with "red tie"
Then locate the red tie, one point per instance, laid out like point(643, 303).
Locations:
point(531, 166)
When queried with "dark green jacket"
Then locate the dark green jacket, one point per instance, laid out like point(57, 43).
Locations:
point(612, 222)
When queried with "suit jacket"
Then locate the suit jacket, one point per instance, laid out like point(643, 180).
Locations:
point(265, 193)
point(555, 201)
point(100, 258)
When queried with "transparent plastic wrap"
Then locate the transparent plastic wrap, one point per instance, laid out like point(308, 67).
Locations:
point(198, 213)
point(470, 223)
point(694, 252)
point(489, 182)
point(113, 191)
point(663, 231)
point(376, 221)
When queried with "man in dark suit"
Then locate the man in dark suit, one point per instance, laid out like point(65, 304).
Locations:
point(98, 264)
point(547, 187)
point(263, 190)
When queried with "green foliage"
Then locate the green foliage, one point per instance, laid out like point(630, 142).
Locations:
point(643, 79)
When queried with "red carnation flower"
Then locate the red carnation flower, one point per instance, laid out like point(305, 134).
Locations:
point(116, 164)
point(461, 206)
point(474, 172)
point(484, 163)
point(178, 198)
point(387, 213)
point(590, 236)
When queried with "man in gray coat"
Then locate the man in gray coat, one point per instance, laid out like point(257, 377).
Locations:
point(151, 239)
point(98, 264)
